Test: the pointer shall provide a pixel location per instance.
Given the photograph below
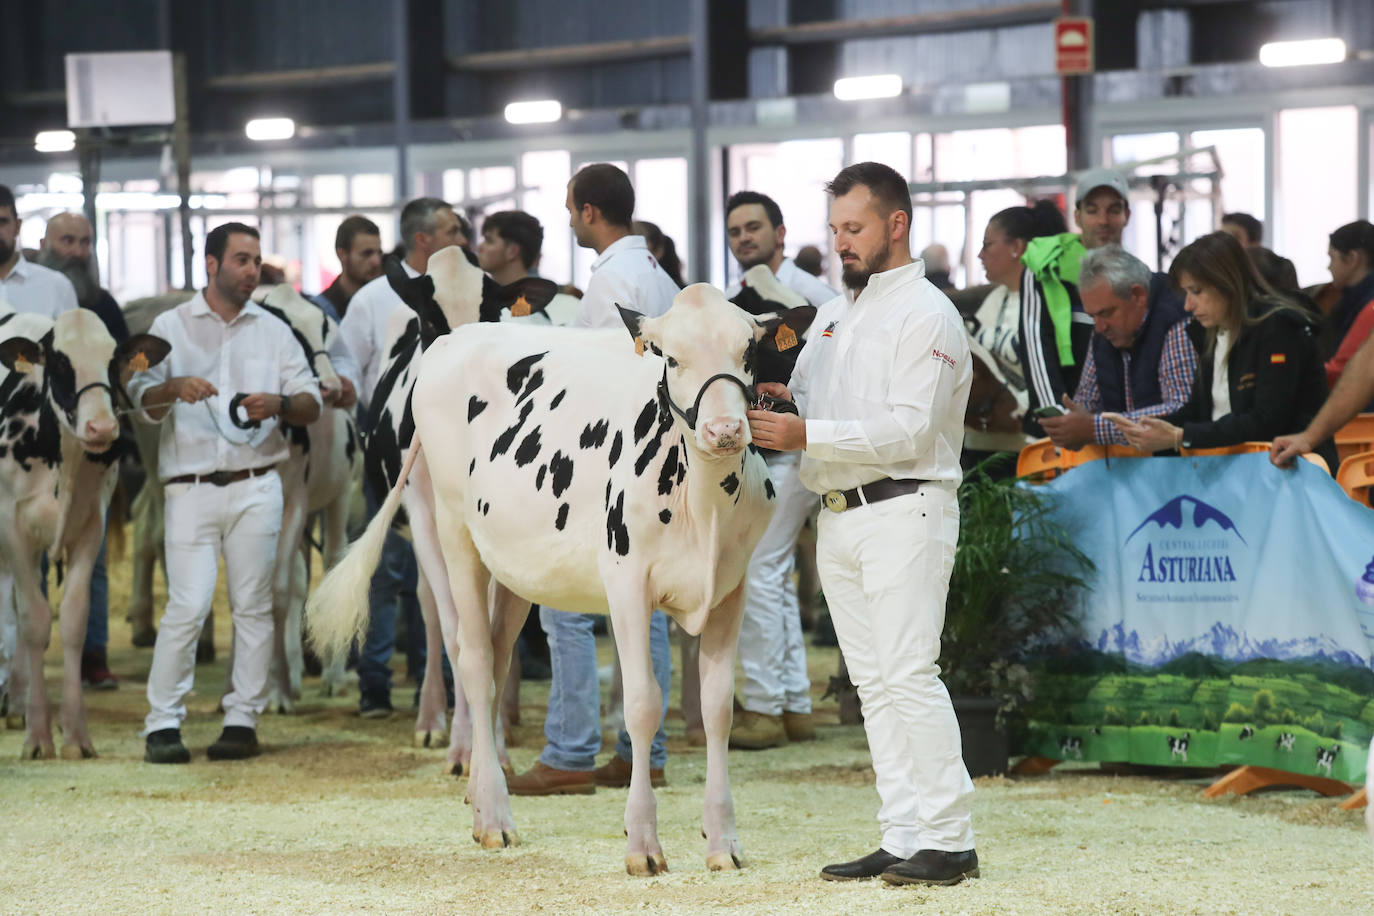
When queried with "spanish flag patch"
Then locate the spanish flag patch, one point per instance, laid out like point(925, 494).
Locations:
point(1278, 358)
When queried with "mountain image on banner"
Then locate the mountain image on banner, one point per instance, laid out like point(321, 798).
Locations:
point(1171, 515)
point(1221, 641)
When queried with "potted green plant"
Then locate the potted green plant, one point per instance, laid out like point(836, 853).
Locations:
point(1010, 594)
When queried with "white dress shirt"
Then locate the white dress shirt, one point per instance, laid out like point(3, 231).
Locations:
point(364, 330)
point(624, 274)
point(883, 382)
point(1221, 375)
point(253, 353)
point(34, 288)
point(816, 291)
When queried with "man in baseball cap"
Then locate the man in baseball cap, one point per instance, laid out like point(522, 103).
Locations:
point(1102, 207)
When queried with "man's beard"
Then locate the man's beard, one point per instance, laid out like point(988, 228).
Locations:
point(361, 277)
point(6, 252)
point(75, 269)
point(856, 278)
point(229, 291)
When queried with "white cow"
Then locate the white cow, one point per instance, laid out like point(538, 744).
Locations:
point(57, 428)
point(589, 480)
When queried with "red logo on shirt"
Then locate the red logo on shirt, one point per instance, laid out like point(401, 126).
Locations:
point(943, 357)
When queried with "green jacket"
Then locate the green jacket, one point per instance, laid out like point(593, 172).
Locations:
point(1054, 260)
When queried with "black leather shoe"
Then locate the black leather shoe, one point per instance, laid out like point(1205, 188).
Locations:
point(870, 866)
point(236, 742)
point(934, 866)
point(164, 746)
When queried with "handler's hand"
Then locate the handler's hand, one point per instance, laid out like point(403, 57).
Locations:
point(190, 388)
point(1285, 448)
point(782, 432)
point(1073, 430)
point(260, 406)
point(776, 389)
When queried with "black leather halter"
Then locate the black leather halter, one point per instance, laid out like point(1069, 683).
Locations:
point(690, 415)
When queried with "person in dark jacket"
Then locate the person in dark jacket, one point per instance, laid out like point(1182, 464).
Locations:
point(1260, 376)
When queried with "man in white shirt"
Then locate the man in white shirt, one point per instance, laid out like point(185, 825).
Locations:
point(233, 372)
point(776, 692)
point(427, 225)
point(882, 386)
point(24, 286)
point(601, 205)
point(508, 250)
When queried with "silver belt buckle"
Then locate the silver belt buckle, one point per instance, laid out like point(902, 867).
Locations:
point(219, 478)
point(834, 501)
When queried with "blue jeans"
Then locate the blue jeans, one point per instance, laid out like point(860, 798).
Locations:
point(98, 618)
point(572, 729)
point(393, 582)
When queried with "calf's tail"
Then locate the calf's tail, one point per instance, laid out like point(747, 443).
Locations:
point(337, 611)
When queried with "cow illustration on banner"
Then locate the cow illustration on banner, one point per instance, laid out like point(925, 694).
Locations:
point(1229, 620)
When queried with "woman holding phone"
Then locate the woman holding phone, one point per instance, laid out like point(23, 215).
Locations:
point(1260, 375)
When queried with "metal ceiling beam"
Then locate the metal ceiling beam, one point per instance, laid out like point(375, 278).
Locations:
point(301, 79)
point(572, 55)
point(918, 24)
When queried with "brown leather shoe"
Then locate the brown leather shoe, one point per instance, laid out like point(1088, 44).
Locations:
point(615, 774)
point(755, 731)
point(542, 779)
point(799, 726)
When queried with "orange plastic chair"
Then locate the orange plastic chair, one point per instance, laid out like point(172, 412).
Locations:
point(1040, 461)
point(1073, 458)
point(1355, 437)
point(1356, 475)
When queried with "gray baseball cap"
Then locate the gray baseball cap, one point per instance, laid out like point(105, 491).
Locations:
point(1093, 179)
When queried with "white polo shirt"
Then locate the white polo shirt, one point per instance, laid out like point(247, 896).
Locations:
point(34, 288)
point(624, 274)
point(364, 330)
point(883, 382)
point(816, 291)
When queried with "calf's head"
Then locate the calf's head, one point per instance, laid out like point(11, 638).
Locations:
point(309, 324)
point(79, 368)
point(453, 291)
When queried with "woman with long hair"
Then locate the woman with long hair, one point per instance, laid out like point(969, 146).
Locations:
point(1351, 249)
point(662, 248)
point(1260, 375)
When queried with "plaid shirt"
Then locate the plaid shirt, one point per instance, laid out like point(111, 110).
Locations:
point(1177, 366)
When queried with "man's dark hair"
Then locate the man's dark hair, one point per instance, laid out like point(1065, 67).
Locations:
point(1356, 236)
point(353, 227)
point(519, 228)
point(218, 238)
point(889, 189)
point(744, 198)
point(7, 200)
point(1253, 228)
point(608, 189)
point(418, 216)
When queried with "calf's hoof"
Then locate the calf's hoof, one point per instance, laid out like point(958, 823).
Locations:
point(497, 839)
point(453, 768)
point(78, 752)
point(431, 738)
point(645, 866)
point(37, 752)
point(724, 861)
point(333, 690)
point(144, 637)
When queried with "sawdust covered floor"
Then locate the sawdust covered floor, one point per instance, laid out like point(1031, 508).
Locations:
point(342, 815)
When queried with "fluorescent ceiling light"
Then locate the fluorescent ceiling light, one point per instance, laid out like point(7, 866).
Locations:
point(882, 86)
point(54, 141)
point(1300, 53)
point(270, 129)
point(541, 111)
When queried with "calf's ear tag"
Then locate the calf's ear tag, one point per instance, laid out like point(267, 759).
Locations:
point(139, 362)
point(639, 346)
point(785, 338)
point(22, 366)
point(521, 308)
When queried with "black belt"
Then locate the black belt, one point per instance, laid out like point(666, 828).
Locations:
point(222, 478)
point(877, 491)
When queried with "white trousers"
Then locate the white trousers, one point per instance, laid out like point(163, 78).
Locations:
point(885, 571)
point(771, 651)
point(240, 522)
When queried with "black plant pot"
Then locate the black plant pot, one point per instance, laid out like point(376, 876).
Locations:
point(985, 746)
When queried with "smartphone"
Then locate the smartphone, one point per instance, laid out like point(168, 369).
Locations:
point(1049, 410)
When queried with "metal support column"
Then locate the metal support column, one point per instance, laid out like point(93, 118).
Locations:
point(1078, 104)
point(181, 150)
point(699, 167)
point(400, 94)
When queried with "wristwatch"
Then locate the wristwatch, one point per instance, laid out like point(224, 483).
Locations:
point(285, 403)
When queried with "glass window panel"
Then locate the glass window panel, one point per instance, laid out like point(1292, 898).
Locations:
point(490, 182)
point(329, 191)
point(1241, 154)
point(546, 174)
point(455, 189)
point(1316, 190)
point(892, 149)
point(372, 190)
point(1130, 148)
point(661, 198)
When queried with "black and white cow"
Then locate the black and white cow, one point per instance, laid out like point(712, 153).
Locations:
point(1247, 733)
point(1178, 747)
point(590, 479)
point(1327, 756)
point(1284, 742)
point(58, 426)
point(1071, 746)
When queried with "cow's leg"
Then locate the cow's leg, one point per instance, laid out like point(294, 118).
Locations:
point(280, 675)
point(718, 639)
point(76, 597)
point(35, 629)
point(689, 648)
point(431, 718)
point(508, 613)
point(14, 678)
point(334, 538)
point(630, 613)
point(147, 518)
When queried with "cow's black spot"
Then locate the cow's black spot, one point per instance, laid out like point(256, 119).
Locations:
point(607, 502)
point(532, 385)
point(539, 478)
point(520, 369)
point(730, 483)
point(475, 406)
point(650, 450)
point(665, 516)
point(669, 471)
point(406, 431)
point(351, 446)
point(528, 450)
point(768, 487)
point(645, 421)
point(557, 399)
point(753, 449)
point(561, 471)
point(750, 354)
point(506, 439)
point(617, 535)
point(472, 466)
point(615, 448)
point(16, 428)
point(562, 519)
point(382, 455)
point(486, 507)
point(594, 435)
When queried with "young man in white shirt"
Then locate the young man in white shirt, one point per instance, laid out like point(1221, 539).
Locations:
point(231, 364)
point(509, 250)
point(881, 388)
point(776, 691)
point(601, 206)
point(27, 287)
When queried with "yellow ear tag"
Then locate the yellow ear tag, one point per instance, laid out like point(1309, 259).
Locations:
point(22, 365)
point(639, 346)
point(521, 308)
point(139, 363)
point(785, 338)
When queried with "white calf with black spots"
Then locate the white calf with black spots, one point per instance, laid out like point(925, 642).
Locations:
point(1284, 742)
point(1247, 733)
point(591, 479)
point(1071, 746)
point(1178, 747)
point(1327, 756)
point(58, 424)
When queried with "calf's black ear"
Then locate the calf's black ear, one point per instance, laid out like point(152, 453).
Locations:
point(19, 354)
point(151, 348)
point(631, 318)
